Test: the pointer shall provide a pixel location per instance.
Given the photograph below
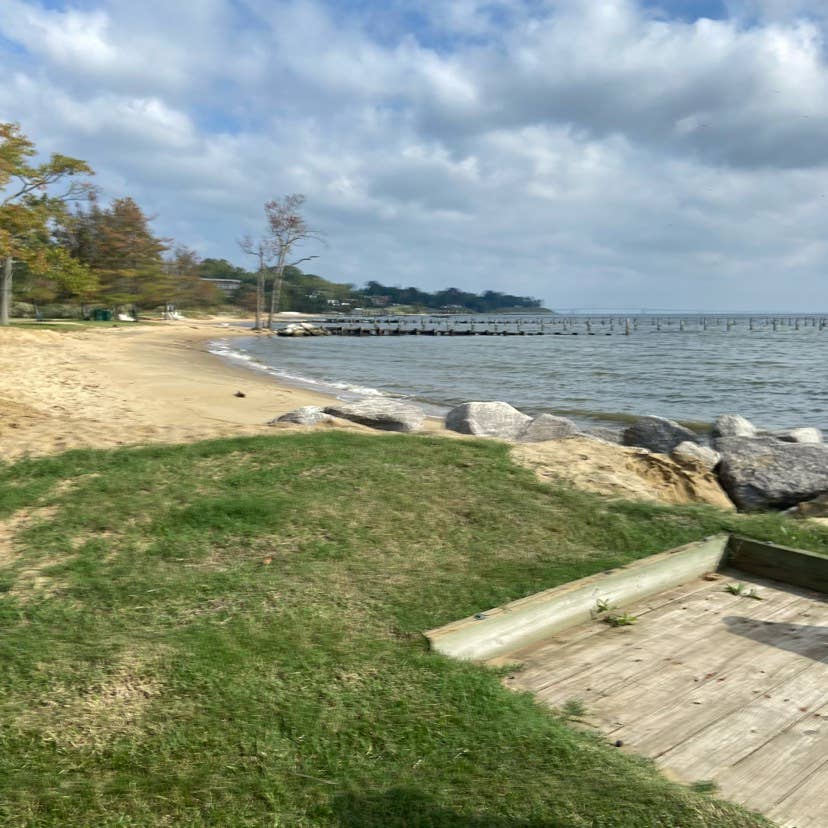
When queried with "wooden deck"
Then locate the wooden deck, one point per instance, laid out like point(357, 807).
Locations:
point(711, 685)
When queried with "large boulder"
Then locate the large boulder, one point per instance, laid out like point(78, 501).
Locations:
point(307, 415)
point(733, 425)
point(381, 413)
point(692, 454)
point(487, 419)
point(766, 473)
point(548, 427)
point(798, 435)
point(657, 434)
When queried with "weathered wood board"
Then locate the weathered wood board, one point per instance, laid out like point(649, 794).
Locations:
point(711, 685)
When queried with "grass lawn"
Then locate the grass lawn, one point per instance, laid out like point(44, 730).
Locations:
point(229, 634)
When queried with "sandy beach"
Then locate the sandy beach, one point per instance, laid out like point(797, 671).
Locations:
point(124, 385)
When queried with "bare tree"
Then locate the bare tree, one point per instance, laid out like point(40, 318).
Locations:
point(264, 252)
point(286, 228)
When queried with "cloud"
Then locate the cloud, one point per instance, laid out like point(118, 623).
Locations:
point(587, 153)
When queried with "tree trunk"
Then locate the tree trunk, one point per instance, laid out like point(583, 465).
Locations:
point(6, 290)
point(260, 292)
point(276, 289)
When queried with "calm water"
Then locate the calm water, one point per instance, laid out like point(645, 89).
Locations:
point(775, 378)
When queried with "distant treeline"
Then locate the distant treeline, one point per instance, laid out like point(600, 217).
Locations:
point(448, 299)
point(308, 293)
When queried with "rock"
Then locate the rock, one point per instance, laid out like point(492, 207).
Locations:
point(766, 473)
point(816, 508)
point(301, 329)
point(657, 434)
point(547, 427)
point(608, 435)
point(797, 435)
point(307, 415)
point(733, 425)
point(689, 454)
point(384, 414)
point(620, 471)
point(487, 419)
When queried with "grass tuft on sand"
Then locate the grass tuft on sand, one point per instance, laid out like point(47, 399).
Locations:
point(229, 633)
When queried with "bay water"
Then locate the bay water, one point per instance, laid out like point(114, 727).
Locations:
point(776, 378)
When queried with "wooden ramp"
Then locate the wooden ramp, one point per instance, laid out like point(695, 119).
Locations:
point(713, 686)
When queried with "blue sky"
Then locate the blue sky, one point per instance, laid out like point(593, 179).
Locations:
point(593, 153)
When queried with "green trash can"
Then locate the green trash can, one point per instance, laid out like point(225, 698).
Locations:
point(102, 315)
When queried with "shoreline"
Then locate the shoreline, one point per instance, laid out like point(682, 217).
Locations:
point(152, 383)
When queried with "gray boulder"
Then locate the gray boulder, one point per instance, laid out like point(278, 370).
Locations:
point(547, 427)
point(692, 454)
point(766, 473)
point(381, 413)
point(487, 419)
point(733, 425)
point(307, 415)
point(657, 434)
point(608, 435)
point(798, 435)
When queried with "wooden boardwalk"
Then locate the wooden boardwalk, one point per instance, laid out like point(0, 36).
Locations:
point(711, 685)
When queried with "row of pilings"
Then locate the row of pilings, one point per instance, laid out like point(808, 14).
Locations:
point(563, 325)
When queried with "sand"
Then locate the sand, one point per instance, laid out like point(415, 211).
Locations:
point(129, 384)
point(620, 471)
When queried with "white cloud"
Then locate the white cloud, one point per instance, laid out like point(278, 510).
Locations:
point(587, 153)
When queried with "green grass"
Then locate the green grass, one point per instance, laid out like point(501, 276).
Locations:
point(229, 634)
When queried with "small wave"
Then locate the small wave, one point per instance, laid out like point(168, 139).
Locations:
point(343, 390)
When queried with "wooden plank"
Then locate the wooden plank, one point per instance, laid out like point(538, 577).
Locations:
point(653, 694)
point(791, 566)
point(733, 670)
point(582, 632)
point(729, 738)
point(622, 653)
point(520, 623)
point(678, 711)
point(807, 805)
point(727, 688)
point(774, 772)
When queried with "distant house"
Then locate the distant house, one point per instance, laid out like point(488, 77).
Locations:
point(226, 286)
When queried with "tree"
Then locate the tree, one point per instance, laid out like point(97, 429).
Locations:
point(264, 252)
point(59, 276)
point(286, 228)
point(184, 267)
point(118, 245)
point(29, 206)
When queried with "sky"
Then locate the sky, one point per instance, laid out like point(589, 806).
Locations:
point(601, 154)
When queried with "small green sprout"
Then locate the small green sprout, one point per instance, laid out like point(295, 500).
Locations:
point(742, 591)
point(620, 619)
